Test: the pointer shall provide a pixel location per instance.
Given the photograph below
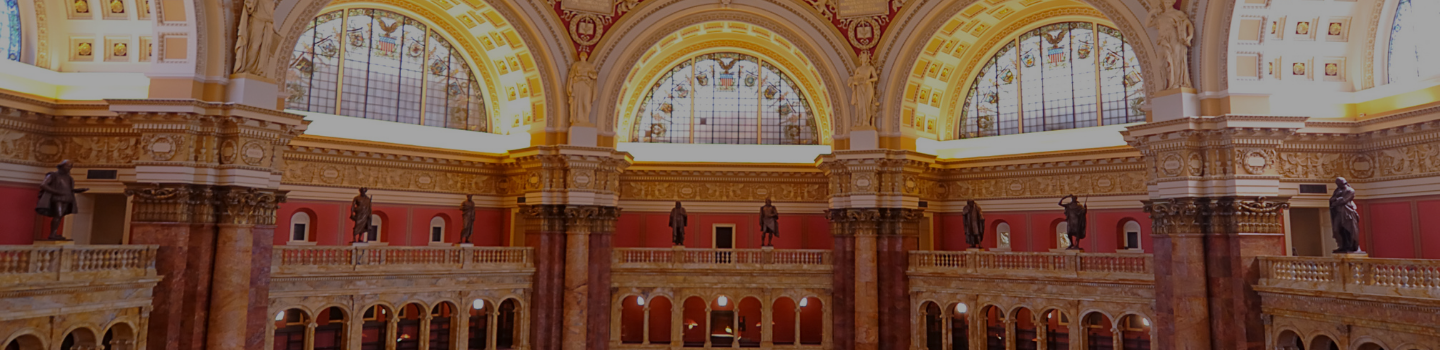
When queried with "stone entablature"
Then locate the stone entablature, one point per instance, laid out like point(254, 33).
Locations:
point(49, 292)
point(1352, 301)
point(723, 182)
point(1378, 155)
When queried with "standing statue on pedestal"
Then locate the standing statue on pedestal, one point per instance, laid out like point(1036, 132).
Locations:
point(255, 39)
point(769, 224)
point(974, 220)
point(57, 198)
point(360, 214)
point(1074, 220)
point(678, 220)
point(862, 91)
point(467, 218)
point(581, 89)
point(1344, 219)
point(1176, 32)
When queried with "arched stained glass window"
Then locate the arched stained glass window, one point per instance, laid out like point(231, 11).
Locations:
point(726, 98)
point(10, 37)
point(1414, 47)
point(1053, 78)
point(377, 64)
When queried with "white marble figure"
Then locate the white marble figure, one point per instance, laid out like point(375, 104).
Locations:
point(862, 96)
point(1176, 32)
point(581, 88)
point(255, 39)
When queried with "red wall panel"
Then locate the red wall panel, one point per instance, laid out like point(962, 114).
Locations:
point(403, 225)
point(1035, 231)
point(17, 212)
point(1429, 229)
point(652, 230)
point(1392, 230)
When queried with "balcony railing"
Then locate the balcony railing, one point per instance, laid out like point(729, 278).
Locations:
point(315, 259)
point(1384, 277)
point(1087, 265)
point(33, 264)
point(806, 259)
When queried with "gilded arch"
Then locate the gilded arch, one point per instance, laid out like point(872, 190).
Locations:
point(917, 28)
point(644, 27)
point(457, 31)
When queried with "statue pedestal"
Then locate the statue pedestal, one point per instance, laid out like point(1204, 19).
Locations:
point(1355, 255)
point(1069, 251)
point(975, 250)
point(767, 248)
point(54, 243)
point(360, 244)
point(464, 244)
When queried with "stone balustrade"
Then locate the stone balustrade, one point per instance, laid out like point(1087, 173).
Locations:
point(381, 259)
point(1080, 265)
point(1381, 277)
point(37, 264)
point(732, 259)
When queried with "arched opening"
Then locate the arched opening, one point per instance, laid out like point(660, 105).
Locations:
point(1322, 342)
point(79, 339)
point(812, 318)
point(442, 317)
point(1130, 235)
point(374, 332)
point(695, 322)
point(300, 227)
point(660, 309)
point(407, 328)
point(1135, 332)
point(934, 333)
point(960, 327)
point(1370, 346)
point(722, 322)
point(1062, 240)
point(1057, 330)
point(632, 318)
point(1002, 236)
point(479, 328)
point(11, 36)
point(994, 328)
point(26, 342)
point(1099, 332)
point(290, 326)
point(1412, 43)
point(784, 321)
point(1288, 340)
point(507, 325)
point(377, 229)
point(749, 323)
point(725, 98)
point(330, 329)
point(437, 229)
point(1025, 335)
point(119, 337)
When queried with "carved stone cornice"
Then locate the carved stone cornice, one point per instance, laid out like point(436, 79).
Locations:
point(1219, 215)
point(569, 174)
point(248, 206)
point(876, 178)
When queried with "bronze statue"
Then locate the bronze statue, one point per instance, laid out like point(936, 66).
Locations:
point(678, 220)
point(467, 217)
point(1344, 219)
point(769, 224)
point(974, 219)
point(360, 214)
point(57, 197)
point(1074, 220)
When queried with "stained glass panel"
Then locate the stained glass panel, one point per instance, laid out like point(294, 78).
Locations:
point(725, 98)
point(384, 66)
point(1414, 47)
point(10, 38)
point(1053, 78)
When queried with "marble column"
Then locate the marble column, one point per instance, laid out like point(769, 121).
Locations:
point(899, 228)
point(545, 231)
point(577, 289)
point(867, 293)
point(601, 246)
point(236, 322)
point(176, 218)
point(843, 274)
